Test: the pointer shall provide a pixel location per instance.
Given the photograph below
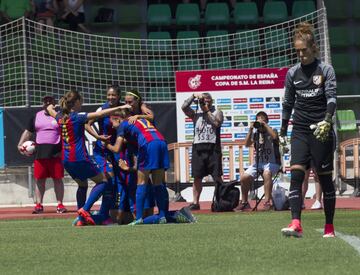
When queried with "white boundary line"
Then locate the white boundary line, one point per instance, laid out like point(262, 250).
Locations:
point(351, 240)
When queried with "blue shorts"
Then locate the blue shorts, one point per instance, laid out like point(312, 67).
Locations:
point(103, 157)
point(83, 169)
point(153, 155)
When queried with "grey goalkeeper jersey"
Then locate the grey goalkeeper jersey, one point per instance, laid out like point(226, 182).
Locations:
point(308, 90)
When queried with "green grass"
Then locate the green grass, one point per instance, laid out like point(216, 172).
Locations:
point(228, 243)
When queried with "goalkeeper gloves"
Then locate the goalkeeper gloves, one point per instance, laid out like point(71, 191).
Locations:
point(322, 128)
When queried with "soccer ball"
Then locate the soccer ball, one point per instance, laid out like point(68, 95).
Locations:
point(28, 148)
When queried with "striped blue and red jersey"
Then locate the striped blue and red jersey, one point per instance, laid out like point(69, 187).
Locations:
point(73, 136)
point(105, 127)
point(142, 131)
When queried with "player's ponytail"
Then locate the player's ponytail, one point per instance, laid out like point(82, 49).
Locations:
point(67, 102)
point(305, 32)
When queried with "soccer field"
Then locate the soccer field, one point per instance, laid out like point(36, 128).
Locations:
point(229, 243)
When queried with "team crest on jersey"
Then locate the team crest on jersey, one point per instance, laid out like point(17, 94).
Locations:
point(194, 82)
point(317, 79)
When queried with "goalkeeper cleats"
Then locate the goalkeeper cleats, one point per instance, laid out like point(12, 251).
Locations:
point(329, 231)
point(61, 209)
point(294, 229)
point(38, 209)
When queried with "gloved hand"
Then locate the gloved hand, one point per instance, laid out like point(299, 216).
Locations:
point(283, 144)
point(322, 130)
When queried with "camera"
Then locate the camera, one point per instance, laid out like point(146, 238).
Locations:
point(202, 101)
point(258, 125)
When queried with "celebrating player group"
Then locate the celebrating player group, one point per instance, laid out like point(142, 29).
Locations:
point(129, 148)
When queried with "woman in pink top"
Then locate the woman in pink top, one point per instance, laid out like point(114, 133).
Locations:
point(47, 163)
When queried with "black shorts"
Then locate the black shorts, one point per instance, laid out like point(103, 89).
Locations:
point(306, 150)
point(206, 162)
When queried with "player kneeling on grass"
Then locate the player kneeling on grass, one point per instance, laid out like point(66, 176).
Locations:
point(152, 158)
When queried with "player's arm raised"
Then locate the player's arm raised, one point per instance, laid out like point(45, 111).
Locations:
point(106, 112)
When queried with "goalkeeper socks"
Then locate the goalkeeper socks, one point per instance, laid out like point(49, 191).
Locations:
point(108, 199)
point(141, 192)
point(81, 196)
point(162, 199)
point(329, 199)
point(295, 198)
point(95, 194)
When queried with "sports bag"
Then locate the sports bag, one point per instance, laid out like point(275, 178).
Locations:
point(226, 197)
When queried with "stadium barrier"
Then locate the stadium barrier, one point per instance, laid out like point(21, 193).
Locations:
point(349, 163)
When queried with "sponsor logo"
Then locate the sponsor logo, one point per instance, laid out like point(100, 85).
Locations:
point(241, 124)
point(240, 106)
point(226, 124)
point(256, 99)
point(223, 100)
point(226, 130)
point(189, 126)
point(323, 166)
point(273, 105)
point(226, 154)
point(194, 82)
point(226, 136)
point(247, 112)
point(228, 118)
point(240, 135)
point(317, 79)
point(188, 119)
point(188, 132)
point(273, 99)
point(274, 123)
point(224, 107)
point(240, 117)
point(297, 82)
point(274, 116)
point(256, 106)
point(308, 93)
point(240, 100)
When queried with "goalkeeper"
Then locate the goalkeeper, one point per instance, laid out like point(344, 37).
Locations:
point(310, 90)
